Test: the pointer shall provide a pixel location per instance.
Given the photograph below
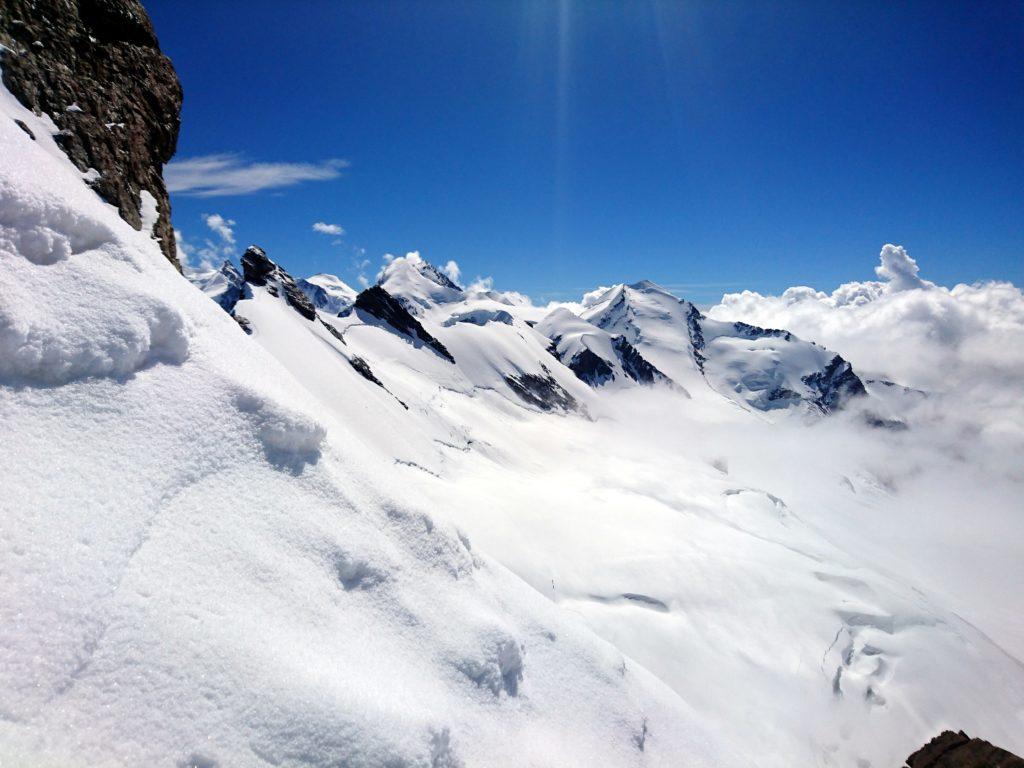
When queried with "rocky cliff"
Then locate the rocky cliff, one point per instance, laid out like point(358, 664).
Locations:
point(958, 750)
point(95, 67)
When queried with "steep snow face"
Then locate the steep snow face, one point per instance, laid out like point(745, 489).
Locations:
point(418, 284)
point(785, 575)
point(203, 566)
point(594, 355)
point(328, 293)
point(764, 369)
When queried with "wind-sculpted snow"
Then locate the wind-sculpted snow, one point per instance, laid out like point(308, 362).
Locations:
point(61, 319)
point(326, 543)
point(290, 440)
point(207, 561)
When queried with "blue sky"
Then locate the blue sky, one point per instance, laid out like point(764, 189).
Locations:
point(560, 145)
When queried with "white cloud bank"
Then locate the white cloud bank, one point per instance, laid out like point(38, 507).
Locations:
point(966, 341)
point(230, 174)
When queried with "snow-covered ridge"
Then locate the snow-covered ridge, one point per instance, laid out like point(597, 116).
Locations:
point(594, 355)
point(631, 334)
point(202, 564)
point(765, 369)
point(701, 519)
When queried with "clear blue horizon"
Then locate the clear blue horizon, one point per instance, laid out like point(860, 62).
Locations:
point(556, 146)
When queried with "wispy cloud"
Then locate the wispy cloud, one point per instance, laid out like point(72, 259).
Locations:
point(328, 229)
point(223, 227)
point(231, 174)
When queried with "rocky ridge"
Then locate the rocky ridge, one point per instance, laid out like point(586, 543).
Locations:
point(95, 67)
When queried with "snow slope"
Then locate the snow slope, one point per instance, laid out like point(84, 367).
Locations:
point(325, 542)
point(200, 565)
point(594, 355)
point(764, 369)
point(777, 572)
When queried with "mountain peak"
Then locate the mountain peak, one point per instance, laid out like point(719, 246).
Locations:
point(327, 292)
point(417, 283)
point(258, 269)
point(646, 285)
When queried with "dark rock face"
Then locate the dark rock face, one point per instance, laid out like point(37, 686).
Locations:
point(363, 368)
point(595, 371)
point(243, 323)
point(590, 368)
point(748, 331)
point(693, 318)
point(835, 384)
point(317, 295)
point(634, 364)
point(958, 750)
point(438, 276)
point(334, 332)
point(261, 271)
point(541, 391)
point(378, 302)
point(103, 56)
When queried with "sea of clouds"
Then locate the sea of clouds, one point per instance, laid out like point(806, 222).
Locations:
point(963, 345)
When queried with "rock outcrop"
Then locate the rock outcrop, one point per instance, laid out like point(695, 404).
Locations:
point(958, 750)
point(95, 67)
point(835, 385)
point(542, 392)
point(260, 270)
point(382, 305)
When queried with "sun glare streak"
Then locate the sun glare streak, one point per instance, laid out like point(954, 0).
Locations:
point(562, 123)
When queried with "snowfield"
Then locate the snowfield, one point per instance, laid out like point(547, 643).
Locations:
point(436, 525)
point(200, 565)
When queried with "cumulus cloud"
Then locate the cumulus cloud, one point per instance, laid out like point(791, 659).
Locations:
point(328, 229)
point(214, 249)
point(223, 228)
point(451, 269)
point(898, 269)
point(231, 174)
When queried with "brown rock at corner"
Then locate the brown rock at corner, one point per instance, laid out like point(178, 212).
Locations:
point(103, 56)
point(958, 750)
